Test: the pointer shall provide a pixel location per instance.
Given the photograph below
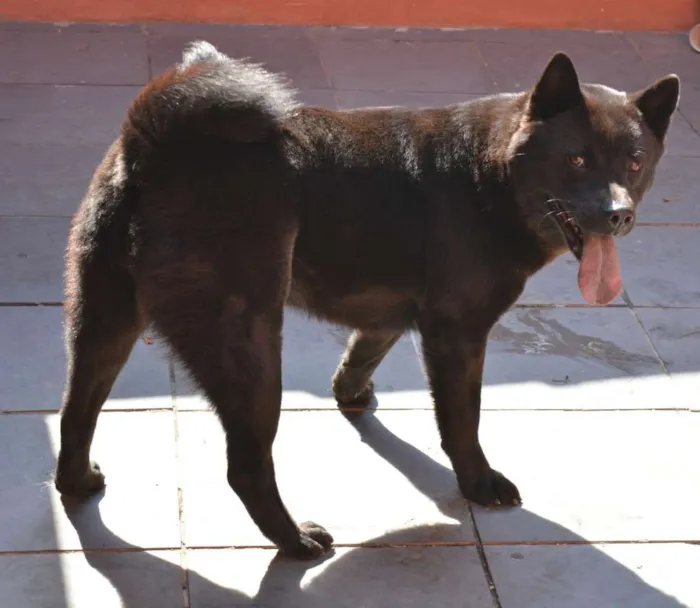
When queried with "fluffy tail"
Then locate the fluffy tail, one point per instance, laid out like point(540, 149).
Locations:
point(209, 94)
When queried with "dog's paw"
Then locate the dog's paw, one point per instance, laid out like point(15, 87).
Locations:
point(86, 484)
point(314, 541)
point(491, 489)
point(347, 394)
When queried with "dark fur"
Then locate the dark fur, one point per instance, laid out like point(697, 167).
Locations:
point(224, 199)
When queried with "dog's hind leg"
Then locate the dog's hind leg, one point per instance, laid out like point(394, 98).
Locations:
point(101, 324)
point(226, 328)
point(352, 381)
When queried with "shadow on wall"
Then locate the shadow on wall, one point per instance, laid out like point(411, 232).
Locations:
point(377, 577)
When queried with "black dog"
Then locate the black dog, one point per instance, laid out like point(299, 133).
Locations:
point(223, 199)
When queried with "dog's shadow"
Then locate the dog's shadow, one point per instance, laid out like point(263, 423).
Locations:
point(376, 577)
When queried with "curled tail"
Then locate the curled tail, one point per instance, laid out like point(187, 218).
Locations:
point(210, 95)
point(200, 50)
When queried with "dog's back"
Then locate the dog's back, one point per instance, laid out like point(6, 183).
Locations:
point(218, 150)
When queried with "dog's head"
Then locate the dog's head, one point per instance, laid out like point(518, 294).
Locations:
point(582, 157)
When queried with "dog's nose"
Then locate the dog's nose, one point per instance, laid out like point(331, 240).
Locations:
point(621, 220)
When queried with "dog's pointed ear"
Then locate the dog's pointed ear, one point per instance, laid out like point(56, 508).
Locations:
point(658, 102)
point(557, 90)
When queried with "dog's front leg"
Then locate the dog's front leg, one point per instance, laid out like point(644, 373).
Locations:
point(454, 356)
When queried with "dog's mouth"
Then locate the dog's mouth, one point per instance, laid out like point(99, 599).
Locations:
point(569, 228)
point(599, 277)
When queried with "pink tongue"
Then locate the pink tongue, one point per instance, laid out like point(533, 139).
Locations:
point(599, 272)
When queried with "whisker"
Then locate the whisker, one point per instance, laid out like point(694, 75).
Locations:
point(555, 200)
point(555, 212)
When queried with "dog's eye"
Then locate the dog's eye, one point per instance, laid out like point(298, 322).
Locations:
point(576, 160)
point(634, 165)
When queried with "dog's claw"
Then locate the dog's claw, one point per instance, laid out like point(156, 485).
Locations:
point(314, 541)
point(356, 397)
point(491, 489)
point(81, 486)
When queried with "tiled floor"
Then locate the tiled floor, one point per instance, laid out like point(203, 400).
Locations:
point(593, 411)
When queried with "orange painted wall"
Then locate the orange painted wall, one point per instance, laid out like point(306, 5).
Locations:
point(585, 14)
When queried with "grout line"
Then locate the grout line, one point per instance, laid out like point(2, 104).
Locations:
point(635, 48)
point(668, 224)
point(469, 94)
point(483, 559)
point(74, 84)
point(149, 61)
point(319, 55)
point(360, 545)
point(647, 335)
point(489, 70)
point(365, 545)
point(40, 216)
point(106, 410)
point(427, 408)
point(690, 122)
point(430, 408)
point(465, 543)
point(336, 98)
point(327, 74)
point(371, 545)
point(184, 579)
point(525, 305)
point(30, 304)
point(585, 543)
point(136, 86)
point(184, 568)
point(547, 305)
point(83, 550)
point(627, 304)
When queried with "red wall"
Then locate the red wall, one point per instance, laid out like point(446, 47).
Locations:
point(585, 14)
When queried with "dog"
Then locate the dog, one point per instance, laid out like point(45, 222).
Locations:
point(223, 200)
